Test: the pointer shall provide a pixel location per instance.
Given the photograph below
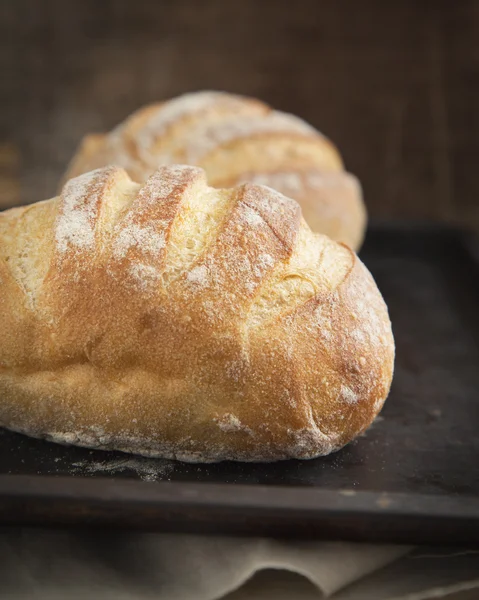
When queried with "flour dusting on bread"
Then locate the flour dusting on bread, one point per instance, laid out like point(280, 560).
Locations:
point(75, 225)
point(146, 238)
point(198, 275)
point(145, 277)
point(206, 138)
point(230, 423)
point(182, 107)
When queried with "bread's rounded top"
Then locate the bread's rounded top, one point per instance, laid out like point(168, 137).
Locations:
point(234, 139)
point(205, 129)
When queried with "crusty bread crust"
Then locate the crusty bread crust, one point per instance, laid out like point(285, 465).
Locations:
point(328, 200)
point(236, 139)
point(173, 319)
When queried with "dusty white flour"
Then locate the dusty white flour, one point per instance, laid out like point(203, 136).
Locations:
point(147, 469)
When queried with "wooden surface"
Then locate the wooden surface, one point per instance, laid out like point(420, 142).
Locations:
point(395, 84)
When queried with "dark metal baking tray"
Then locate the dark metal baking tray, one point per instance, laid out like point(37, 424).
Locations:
point(413, 477)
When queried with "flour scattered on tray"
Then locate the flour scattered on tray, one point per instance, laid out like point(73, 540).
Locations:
point(147, 469)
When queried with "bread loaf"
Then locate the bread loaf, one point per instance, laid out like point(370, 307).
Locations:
point(177, 320)
point(236, 139)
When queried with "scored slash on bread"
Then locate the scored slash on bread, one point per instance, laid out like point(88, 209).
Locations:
point(173, 319)
point(236, 139)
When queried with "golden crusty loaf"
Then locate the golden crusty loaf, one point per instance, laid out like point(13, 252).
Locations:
point(177, 320)
point(236, 139)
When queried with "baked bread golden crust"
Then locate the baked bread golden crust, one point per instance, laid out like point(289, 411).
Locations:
point(236, 139)
point(328, 200)
point(173, 319)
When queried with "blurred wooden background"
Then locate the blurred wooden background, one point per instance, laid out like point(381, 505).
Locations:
point(395, 84)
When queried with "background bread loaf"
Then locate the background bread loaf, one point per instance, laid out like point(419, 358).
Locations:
point(173, 319)
point(236, 139)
